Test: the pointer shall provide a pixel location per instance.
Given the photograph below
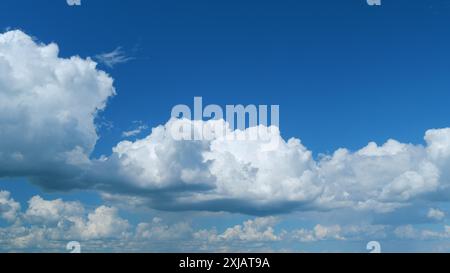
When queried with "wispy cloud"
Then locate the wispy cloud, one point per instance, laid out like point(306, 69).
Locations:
point(136, 131)
point(113, 58)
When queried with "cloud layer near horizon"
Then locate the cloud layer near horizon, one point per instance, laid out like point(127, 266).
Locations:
point(48, 105)
point(48, 225)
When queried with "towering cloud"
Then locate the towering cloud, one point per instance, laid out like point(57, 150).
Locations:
point(47, 108)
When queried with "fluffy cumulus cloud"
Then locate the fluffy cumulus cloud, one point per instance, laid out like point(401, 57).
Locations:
point(9, 208)
point(378, 177)
point(243, 176)
point(44, 211)
point(157, 230)
point(257, 230)
point(48, 105)
point(318, 233)
point(216, 173)
point(436, 214)
point(47, 109)
point(103, 222)
point(47, 225)
point(48, 222)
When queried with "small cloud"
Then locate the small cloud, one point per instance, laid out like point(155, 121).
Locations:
point(135, 131)
point(436, 214)
point(113, 58)
point(74, 2)
point(406, 232)
point(319, 233)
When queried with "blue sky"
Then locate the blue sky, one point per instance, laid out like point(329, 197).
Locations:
point(344, 65)
point(344, 74)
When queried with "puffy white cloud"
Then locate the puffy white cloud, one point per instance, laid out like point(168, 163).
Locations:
point(214, 173)
point(104, 222)
point(219, 173)
point(157, 230)
point(47, 109)
point(67, 219)
point(257, 230)
point(48, 221)
point(159, 161)
point(438, 144)
point(9, 209)
point(49, 224)
point(44, 211)
point(245, 169)
point(436, 214)
point(318, 233)
point(378, 177)
point(136, 131)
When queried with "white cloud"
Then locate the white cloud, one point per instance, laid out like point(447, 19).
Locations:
point(159, 161)
point(406, 232)
point(318, 233)
point(44, 211)
point(47, 109)
point(410, 232)
point(157, 230)
point(378, 177)
point(113, 58)
point(436, 214)
point(104, 222)
point(257, 230)
point(49, 224)
point(9, 209)
point(215, 171)
point(135, 132)
point(51, 221)
point(241, 176)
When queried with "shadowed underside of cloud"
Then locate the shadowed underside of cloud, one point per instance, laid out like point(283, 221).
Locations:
point(47, 109)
